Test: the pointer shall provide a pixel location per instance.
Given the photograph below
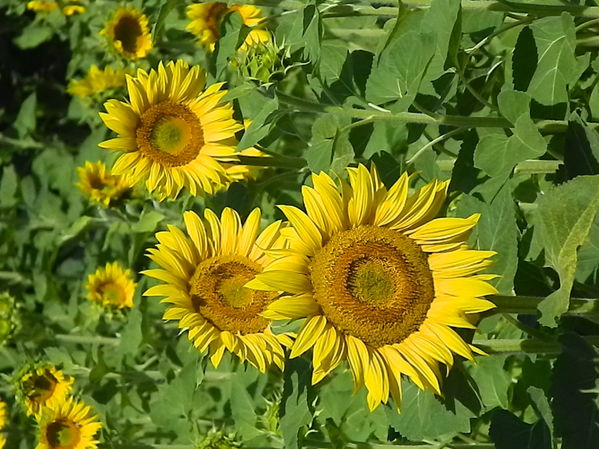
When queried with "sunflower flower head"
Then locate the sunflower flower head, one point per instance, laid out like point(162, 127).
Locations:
point(70, 8)
point(207, 18)
point(68, 424)
point(129, 34)
point(203, 274)
point(175, 133)
point(102, 187)
point(97, 81)
point(379, 281)
point(111, 287)
point(40, 386)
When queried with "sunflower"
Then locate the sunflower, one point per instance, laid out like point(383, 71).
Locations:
point(2, 414)
point(111, 286)
point(96, 181)
point(379, 281)
point(206, 19)
point(173, 131)
point(47, 6)
point(68, 424)
point(129, 34)
point(41, 387)
point(203, 276)
point(97, 81)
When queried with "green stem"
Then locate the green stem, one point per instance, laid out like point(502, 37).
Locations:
point(433, 142)
point(272, 161)
point(357, 445)
point(525, 167)
point(528, 345)
point(529, 304)
point(87, 339)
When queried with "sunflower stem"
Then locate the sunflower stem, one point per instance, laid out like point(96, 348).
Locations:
point(537, 167)
point(272, 161)
point(525, 345)
point(529, 304)
point(87, 339)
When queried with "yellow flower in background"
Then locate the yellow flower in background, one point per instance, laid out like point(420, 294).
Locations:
point(111, 286)
point(174, 132)
point(204, 275)
point(129, 33)
point(206, 19)
point(97, 81)
point(41, 387)
point(239, 172)
point(96, 181)
point(47, 6)
point(379, 280)
point(68, 424)
point(2, 414)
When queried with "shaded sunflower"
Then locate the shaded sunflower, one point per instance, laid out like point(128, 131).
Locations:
point(111, 286)
point(204, 273)
point(206, 20)
point(174, 132)
point(97, 81)
point(68, 424)
point(128, 32)
point(68, 9)
point(42, 386)
point(96, 181)
point(379, 281)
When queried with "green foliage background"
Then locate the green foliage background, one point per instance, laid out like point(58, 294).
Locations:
point(500, 97)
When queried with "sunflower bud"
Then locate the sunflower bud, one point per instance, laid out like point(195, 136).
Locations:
point(260, 59)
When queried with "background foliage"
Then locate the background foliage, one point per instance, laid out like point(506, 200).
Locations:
point(500, 97)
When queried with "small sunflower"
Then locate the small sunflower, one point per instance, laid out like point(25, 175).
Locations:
point(41, 387)
point(68, 9)
point(97, 81)
point(204, 273)
point(379, 281)
point(173, 132)
point(68, 424)
point(111, 286)
point(2, 414)
point(206, 19)
point(96, 181)
point(129, 33)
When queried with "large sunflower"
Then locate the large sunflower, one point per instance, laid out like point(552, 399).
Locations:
point(111, 286)
point(173, 131)
point(204, 274)
point(68, 424)
point(206, 19)
point(379, 281)
point(129, 33)
point(42, 387)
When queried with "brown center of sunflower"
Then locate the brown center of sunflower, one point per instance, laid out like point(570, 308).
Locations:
point(127, 31)
point(373, 283)
point(41, 387)
point(218, 294)
point(170, 134)
point(63, 434)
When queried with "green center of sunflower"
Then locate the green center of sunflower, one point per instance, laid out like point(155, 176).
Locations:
point(127, 31)
point(112, 293)
point(63, 434)
point(373, 283)
point(170, 134)
point(218, 294)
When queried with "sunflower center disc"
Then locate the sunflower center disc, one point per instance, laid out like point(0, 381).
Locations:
point(373, 283)
point(218, 294)
point(127, 30)
point(63, 434)
point(170, 134)
point(112, 293)
point(42, 387)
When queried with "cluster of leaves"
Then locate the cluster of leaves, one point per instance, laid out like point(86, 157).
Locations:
point(499, 97)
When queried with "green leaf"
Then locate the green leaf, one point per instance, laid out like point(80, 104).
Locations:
point(508, 431)
point(541, 405)
point(498, 154)
point(131, 335)
point(423, 416)
point(493, 381)
point(34, 35)
point(398, 73)
point(148, 221)
point(330, 148)
point(294, 411)
point(262, 122)
point(8, 187)
point(242, 404)
point(555, 39)
point(524, 59)
point(562, 224)
point(26, 119)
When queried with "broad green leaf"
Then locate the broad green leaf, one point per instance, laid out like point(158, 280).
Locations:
point(588, 257)
point(34, 35)
point(492, 380)
point(148, 221)
point(26, 119)
point(556, 71)
point(562, 224)
point(423, 416)
point(8, 187)
point(262, 122)
point(131, 336)
point(542, 407)
point(294, 411)
point(242, 405)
